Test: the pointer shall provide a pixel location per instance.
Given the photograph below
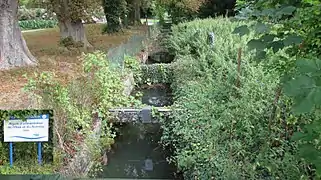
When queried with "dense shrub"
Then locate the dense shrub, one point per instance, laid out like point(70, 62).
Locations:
point(223, 129)
point(75, 107)
point(157, 73)
point(307, 23)
point(37, 24)
point(34, 14)
point(293, 25)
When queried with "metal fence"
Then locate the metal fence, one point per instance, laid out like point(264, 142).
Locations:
point(133, 46)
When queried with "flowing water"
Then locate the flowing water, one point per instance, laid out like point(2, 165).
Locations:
point(158, 95)
point(137, 153)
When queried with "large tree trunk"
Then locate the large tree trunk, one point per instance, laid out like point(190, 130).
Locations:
point(134, 13)
point(70, 24)
point(137, 5)
point(74, 30)
point(13, 49)
point(113, 11)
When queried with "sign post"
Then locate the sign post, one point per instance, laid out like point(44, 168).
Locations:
point(34, 129)
point(39, 153)
point(10, 154)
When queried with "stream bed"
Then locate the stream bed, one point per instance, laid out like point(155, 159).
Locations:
point(137, 152)
point(158, 95)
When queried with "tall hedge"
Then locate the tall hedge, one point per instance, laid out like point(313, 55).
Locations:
point(222, 126)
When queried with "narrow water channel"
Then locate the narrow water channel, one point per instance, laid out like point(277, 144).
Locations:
point(158, 95)
point(137, 153)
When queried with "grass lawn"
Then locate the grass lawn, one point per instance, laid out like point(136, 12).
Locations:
point(43, 45)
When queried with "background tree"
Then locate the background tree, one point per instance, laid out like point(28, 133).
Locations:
point(70, 14)
point(137, 9)
point(181, 10)
point(212, 8)
point(114, 11)
point(147, 8)
point(13, 49)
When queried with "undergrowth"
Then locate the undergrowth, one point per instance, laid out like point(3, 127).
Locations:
point(77, 107)
point(226, 122)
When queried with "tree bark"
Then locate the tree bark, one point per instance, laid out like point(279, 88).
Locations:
point(70, 22)
point(74, 30)
point(134, 13)
point(13, 48)
point(113, 11)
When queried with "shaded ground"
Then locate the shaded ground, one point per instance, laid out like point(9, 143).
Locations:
point(65, 64)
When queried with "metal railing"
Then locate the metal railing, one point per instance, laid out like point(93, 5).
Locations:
point(132, 47)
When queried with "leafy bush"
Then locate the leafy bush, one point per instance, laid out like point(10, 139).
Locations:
point(37, 24)
point(294, 30)
point(307, 23)
point(34, 14)
point(157, 73)
point(76, 106)
point(225, 123)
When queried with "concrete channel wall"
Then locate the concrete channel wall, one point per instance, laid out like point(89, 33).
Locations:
point(83, 161)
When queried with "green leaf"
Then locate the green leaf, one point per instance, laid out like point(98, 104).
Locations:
point(307, 66)
point(292, 40)
point(298, 136)
point(315, 94)
point(262, 28)
point(267, 12)
point(298, 86)
point(267, 38)
point(276, 46)
point(241, 30)
point(310, 153)
point(287, 10)
point(256, 44)
point(302, 136)
point(260, 55)
point(304, 105)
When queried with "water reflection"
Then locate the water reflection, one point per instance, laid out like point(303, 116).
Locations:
point(137, 154)
point(158, 95)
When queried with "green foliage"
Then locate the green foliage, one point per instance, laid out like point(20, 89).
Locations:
point(159, 10)
point(157, 73)
point(70, 43)
point(149, 73)
point(76, 104)
point(305, 86)
point(73, 10)
point(133, 64)
point(189, 39)
point(37, 24)
point(221, 128)
point(114, 9)
point(34, 14)
point(308, 25)
point(305, 89)
point(289, 25)
point(23, 167)
point(36, 18)
point(294, 30)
